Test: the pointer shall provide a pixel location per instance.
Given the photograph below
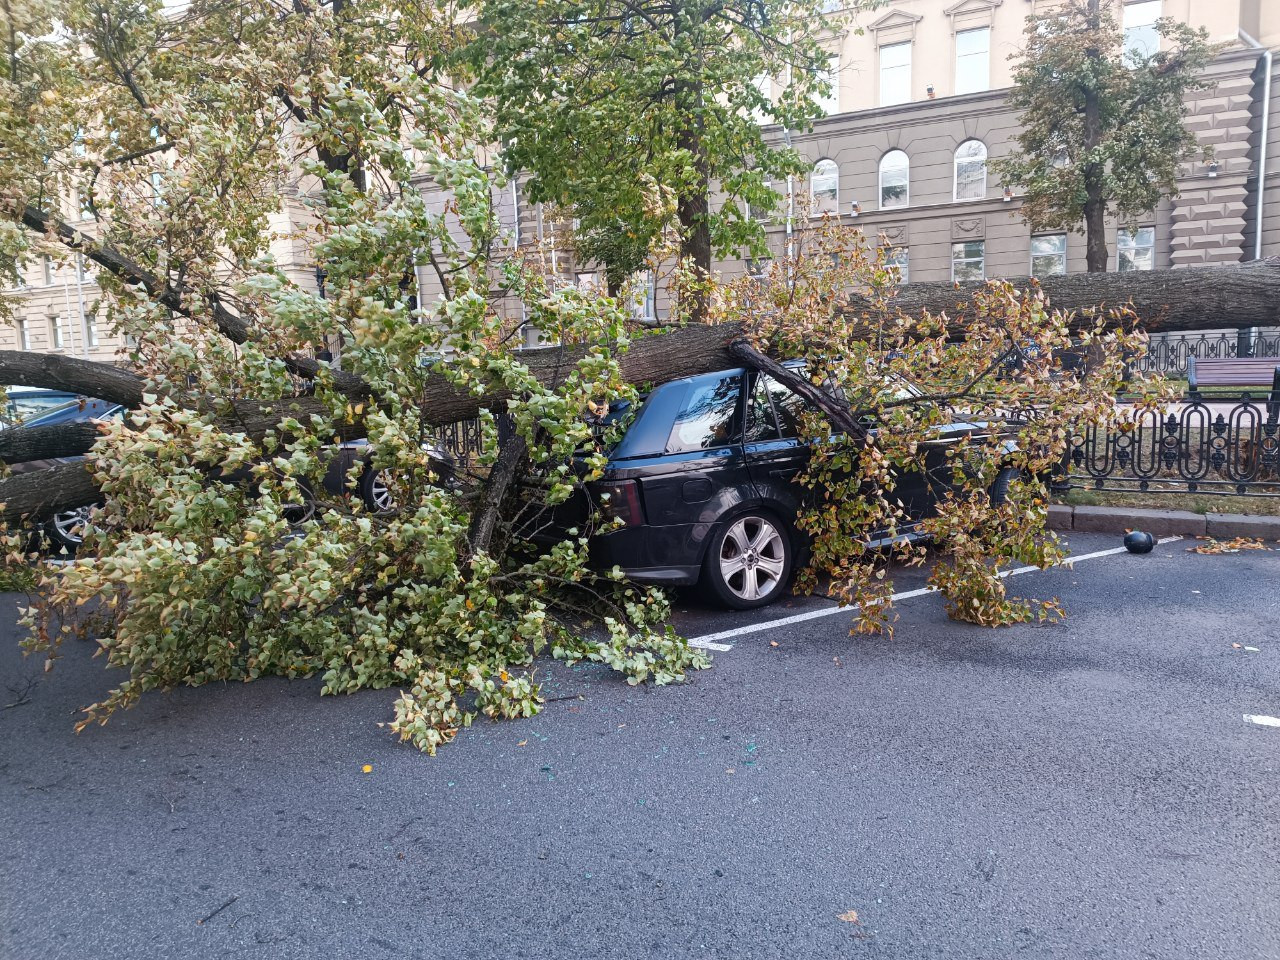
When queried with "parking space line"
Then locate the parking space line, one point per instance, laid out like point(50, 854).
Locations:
point(1261, 720)
point(712, 641)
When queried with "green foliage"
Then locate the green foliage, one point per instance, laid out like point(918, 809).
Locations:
point(617, 111)
point(1099, 125)
point(905, 378)
point(195, 571)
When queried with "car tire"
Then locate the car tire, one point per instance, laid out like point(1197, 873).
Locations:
point(296, 514)
point(749, 561)
point(375, 491)
point(999, 492)
point(64, 531)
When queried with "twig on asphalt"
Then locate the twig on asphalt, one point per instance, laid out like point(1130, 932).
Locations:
point(200, 923)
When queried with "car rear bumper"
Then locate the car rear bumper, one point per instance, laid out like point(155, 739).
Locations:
point(666, 556)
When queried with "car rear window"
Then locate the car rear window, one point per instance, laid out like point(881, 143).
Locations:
point(710, 415)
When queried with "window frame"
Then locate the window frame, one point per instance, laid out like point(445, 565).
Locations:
point(986, 61)
point(956, 247)
point(834, 193)
point(24, 333)
point(956, 160)
point(830, 104)
point(906, 183)
point(1062, 253)
point(57, 338)
point(1128, 29)
point(1122, 247)
point(881, 100)
point(899, 257)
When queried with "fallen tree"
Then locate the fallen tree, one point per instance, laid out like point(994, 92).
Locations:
point(1234, 296)
point(1162, 301)
point(199, 564)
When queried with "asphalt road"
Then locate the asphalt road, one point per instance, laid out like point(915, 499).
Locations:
point(1087, 790)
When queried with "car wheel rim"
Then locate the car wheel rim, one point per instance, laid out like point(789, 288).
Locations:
point(71, 524)
point(752, 557)
point(380, 493)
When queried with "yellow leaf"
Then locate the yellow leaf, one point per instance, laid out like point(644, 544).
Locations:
point(849, 916)
point(367, 768)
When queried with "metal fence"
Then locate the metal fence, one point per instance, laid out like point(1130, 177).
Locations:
point(463, 441)
point(1167, 354)
point(1222, 444)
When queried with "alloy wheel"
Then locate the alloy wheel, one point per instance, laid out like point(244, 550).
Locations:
point(752, 558)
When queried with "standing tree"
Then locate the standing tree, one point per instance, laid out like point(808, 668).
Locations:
point(1102, 126)
point(626, 112)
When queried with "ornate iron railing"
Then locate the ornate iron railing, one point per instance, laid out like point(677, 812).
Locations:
point(463, 441)
point(1167, 354)
point(1204, 444)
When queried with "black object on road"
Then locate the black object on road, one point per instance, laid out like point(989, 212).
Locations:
point(1137, 541)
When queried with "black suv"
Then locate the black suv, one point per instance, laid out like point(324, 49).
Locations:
point(703, 481)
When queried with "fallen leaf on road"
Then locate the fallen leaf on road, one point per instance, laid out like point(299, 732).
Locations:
point(729, 770)
point(1253, 650)
point(773, 643)
point(849, 916)
point(367, 768)
point(522, 743)
point(1235, 646)
point(1235, 545)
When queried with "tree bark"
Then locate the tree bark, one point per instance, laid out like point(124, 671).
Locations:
point(484, 521)
point(1238, 296)
point(693, 206)
point(53, 371)
point(1163, 301)
point(1095, 206)
point(44, 492)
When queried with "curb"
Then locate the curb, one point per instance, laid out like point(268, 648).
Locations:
point(1162, 523)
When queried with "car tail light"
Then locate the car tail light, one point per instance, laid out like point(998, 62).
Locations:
point(620, 499)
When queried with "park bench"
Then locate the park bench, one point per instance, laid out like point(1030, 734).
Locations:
point(1231, 372)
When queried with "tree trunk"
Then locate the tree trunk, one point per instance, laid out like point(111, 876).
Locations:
point(513, 449)
point(1164, 301)
point(1095, 206)
point(1236, 296)
point(692, 206)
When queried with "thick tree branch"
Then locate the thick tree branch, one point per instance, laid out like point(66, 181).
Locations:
point(54, 371)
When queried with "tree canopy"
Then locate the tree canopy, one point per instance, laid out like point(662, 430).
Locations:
point(1101, 130)
point(628, 113)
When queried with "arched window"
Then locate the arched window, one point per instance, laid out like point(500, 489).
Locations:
point(895, 175)
point(971, 170)
point(824, 187)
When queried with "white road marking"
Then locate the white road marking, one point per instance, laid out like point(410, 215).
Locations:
point(711, 641)
point(1261, 720)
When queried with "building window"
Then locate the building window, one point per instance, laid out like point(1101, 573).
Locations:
point(47, 263)
point(81, 272)
point(973, 60)
point(895, 73)
point(896, 258)
point(829, 102)
point(1140, 37)
point(971, 170)
point(758, 269)
point(1049, 255)
point(90, 331)
point(24, 333)
point(969, 260)
point(1136, 249)
point(764, 86)
point(644, 295)
point(824, 187)
point(55, 333)
point(895, 175)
